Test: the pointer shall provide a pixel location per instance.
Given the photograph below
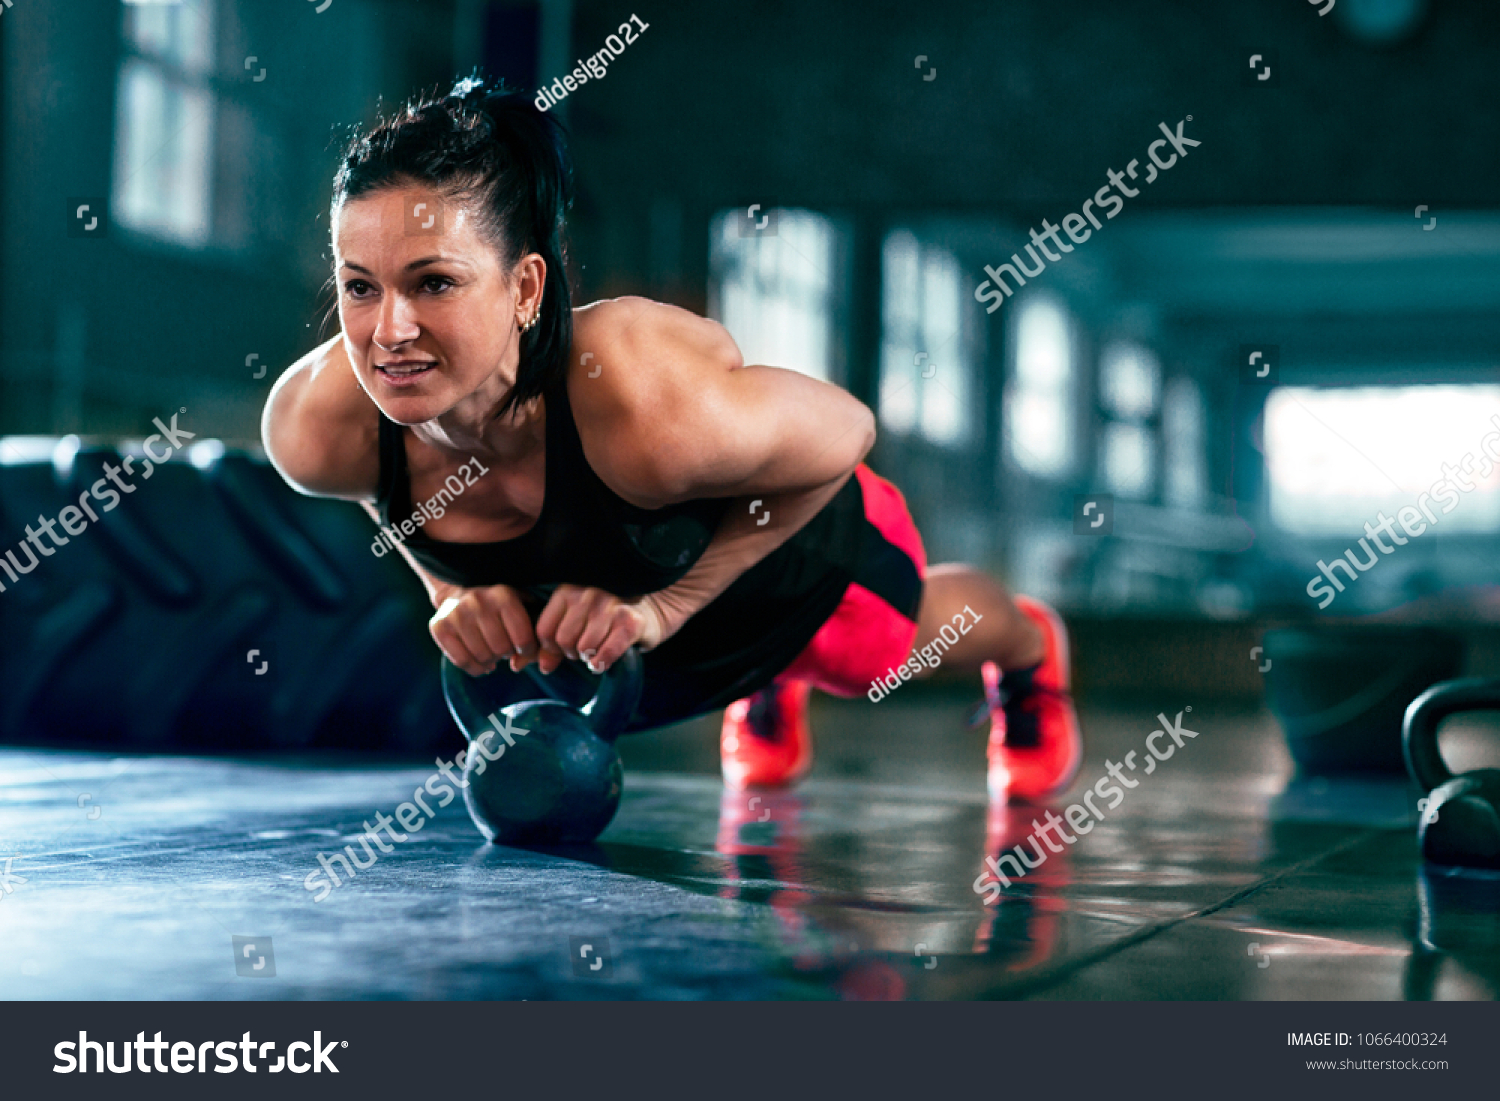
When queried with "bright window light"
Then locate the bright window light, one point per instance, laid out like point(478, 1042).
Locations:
point(1129, 459)
point(1127, 380)
point(775, 294)
point(164, 124)
point(1185, 445)
point(900, 287)
point(925, 369)
point(180, 33)
point(1335, 457)
point(162, 155)
point(1037, 401)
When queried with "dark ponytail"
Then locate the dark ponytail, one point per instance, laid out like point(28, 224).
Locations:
point(494, 148)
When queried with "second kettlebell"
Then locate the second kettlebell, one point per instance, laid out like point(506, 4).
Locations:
point(1460, 825)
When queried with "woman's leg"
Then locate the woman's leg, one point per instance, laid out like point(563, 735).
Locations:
point(1035, 746)
point(952, 596)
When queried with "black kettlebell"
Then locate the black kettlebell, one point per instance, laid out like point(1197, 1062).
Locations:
point(1461, 823)
point(540, 771)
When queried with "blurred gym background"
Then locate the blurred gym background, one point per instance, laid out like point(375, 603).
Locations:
point(1339, 215)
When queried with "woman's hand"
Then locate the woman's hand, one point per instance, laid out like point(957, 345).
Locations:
point(478, 628)
point(596, 627)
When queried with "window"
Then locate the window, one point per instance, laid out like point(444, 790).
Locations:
point(1038, 399)
point(1335, 457)
point(1185, 443)
point(775, 293)
point(1128, 456)
point(926, 364)
point(164, 128)
point(1128, 381)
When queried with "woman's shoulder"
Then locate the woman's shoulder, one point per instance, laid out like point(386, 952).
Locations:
point(643, 334)
point(640, 378)
point(320, 429)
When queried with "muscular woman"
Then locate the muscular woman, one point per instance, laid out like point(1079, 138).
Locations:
point(641, 486)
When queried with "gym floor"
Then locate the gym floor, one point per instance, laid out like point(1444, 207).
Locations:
point(1217, 877)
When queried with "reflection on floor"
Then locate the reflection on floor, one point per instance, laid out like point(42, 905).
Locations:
point(1214, 877)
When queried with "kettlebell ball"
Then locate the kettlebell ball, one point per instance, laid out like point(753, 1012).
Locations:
point(541, 771)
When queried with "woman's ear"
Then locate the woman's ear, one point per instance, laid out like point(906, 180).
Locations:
point(530, 278)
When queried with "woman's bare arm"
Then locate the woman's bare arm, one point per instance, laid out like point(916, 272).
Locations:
point(674, 414)
point(320, 429)
point(682, 418)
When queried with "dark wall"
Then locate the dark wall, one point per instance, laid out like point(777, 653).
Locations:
point(820, 104)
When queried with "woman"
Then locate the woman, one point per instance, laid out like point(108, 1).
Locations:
point(641, 485)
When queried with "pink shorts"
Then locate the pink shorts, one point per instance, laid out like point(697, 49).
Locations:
point(867, 633)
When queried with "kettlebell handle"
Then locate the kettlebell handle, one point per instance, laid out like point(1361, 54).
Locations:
point(607, 713)
point(460, 699)
point(1419, 740)
point(619, 692)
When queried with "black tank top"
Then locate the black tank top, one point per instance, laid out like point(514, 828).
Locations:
point(588, 535)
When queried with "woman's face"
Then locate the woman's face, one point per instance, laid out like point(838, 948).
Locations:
point(430, 317)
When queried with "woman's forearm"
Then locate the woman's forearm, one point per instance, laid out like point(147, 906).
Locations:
point(751, 530)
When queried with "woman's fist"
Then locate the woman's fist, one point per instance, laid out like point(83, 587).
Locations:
point(478, 628)
point(594, 626)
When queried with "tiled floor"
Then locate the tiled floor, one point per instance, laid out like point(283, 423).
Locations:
point(1214, 878)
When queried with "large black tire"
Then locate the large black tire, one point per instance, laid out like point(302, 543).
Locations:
point(138, 633)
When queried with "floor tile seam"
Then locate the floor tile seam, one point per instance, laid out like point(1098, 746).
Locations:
point(1072, 967)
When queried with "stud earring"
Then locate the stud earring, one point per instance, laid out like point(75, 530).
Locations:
point(530, 322)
